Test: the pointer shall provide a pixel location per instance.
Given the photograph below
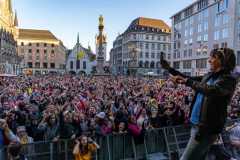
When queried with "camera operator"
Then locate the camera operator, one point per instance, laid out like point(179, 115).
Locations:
point(84, 148)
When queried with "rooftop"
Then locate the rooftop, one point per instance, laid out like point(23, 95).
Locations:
point(149, 22)
point(36, 34)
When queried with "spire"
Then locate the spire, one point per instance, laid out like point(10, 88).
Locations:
point(9, 6)
point(78, 38)
point(15, 20)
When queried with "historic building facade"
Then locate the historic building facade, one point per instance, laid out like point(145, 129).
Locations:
point(81, 60)
point(10, 62)
point(200, 27)
point(139, 47)
point(43, 53)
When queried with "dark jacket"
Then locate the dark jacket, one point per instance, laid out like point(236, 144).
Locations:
point(216, 99)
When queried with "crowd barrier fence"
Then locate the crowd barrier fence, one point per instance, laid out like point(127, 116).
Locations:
point(164, 142)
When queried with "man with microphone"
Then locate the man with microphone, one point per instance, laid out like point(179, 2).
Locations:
point(213, 93)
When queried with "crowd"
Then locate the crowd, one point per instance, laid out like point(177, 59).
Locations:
point(57, 107)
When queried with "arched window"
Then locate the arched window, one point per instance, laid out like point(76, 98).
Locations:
point(140, 64)
point(146, 64)
point(152, 65)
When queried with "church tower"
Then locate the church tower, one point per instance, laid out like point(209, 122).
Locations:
point(101, 46)
point(8, 20)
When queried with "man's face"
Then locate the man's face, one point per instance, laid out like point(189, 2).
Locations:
point(215, 63)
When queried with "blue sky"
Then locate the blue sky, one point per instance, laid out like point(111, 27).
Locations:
point(65, 18)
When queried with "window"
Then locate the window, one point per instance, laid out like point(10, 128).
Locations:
point(147, 37)
point(30, 56)
point(190, 52)
point(22, 43)
point(199, 27)
point(29, 44)
point(216, 35)
point(141, 55)
point(222, 5)
point(146, 55)
point(158, 55)
point(153, 55)
point(205, 26)
point(37, 56)
point(201, 63)
point(224, 45)
point(205, 13)
point(52, 51)
point(191, 31)
point(146, 65)
point(159, 46)
point(52, 65)
point(176, 65)
point(146, 45)
point(45, 51)
point(199, 38)
point(205, 37)
point(37, 44)
point(29, 64)
point(45, 56)
point(37, 65)
point(200, 16)
point(238, 57)
point(84, 65)
point(187, 64)
point(30, 51)
point(225, 33)
point(71, 64)
point(78, 64)
point(153, 37)
point(164, 47)
point(37, 50)
point(45, 65)
point(191, 20)
point(217, 21)
point(185, 53)
point(45, 44)
point(153, 46)
point(178, 54)
point(201, 4)
point(225, 19)
point(185, 42)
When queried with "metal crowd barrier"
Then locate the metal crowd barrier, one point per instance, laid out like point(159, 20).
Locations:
point(162, 143)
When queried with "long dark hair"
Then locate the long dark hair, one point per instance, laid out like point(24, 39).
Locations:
point(227, 57)
point(83, 149)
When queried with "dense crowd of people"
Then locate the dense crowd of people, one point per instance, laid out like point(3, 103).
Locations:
point(57, 107)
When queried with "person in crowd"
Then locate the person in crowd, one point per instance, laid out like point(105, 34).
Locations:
point(209, 107)
point(84, 148)
point(14, 152)
point(23, 135)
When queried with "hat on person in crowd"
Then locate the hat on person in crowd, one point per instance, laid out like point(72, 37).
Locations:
point(101, 115)
point(21, 129)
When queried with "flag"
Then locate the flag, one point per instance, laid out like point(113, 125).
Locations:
point(80, 55)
